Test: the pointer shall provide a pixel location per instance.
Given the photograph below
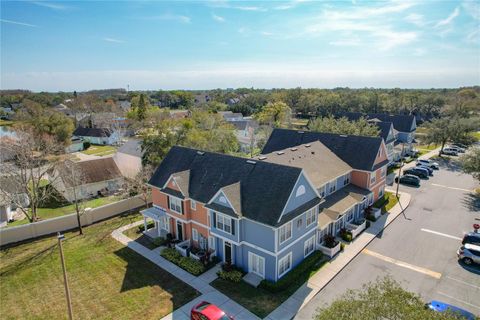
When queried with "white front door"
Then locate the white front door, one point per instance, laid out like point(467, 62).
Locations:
point(256, 264)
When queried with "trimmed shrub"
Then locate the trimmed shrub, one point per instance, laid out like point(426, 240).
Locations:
point(342, 246)
point(86, 145)
point(141, 227)
point(159, 241)
point(300, 273)
point(233, 276)
point(172, 255)
point(367, 225)
point(347, 236)
point(193, 266)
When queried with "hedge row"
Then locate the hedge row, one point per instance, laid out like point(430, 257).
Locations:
point(232, 275)
point(186, 263)
point(297, 275)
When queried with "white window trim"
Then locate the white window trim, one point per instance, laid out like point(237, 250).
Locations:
point(314, 217)
point(312, 239)
point(170, 204)
point(224, 218)
point(279, 233)
point(280, 262)
point(250, 255)
point(194, 234)
point(193, 204)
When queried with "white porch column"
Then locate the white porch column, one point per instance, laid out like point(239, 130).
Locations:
point(158, 228)
point(145, 223)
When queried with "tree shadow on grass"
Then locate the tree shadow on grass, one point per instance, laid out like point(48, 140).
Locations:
point(140, 273)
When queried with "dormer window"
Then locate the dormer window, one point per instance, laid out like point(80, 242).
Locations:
point(300, 191)
point(175, 204)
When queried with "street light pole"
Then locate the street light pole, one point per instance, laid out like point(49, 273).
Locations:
point(400, 169)
point(60, 238)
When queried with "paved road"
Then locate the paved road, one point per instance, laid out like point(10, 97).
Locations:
point(419, 250)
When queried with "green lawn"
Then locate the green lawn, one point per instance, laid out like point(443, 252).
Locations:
point(107, 280)
point(135, 234)
point(428, 147)
point(48, 213)
point(476, 135)
point(258, 300)
point(387, 202)
point(96, 150)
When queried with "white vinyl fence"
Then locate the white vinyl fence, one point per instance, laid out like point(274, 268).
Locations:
point(67, 222)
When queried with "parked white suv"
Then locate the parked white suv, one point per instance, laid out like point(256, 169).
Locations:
point(469, 253)
point(450, 151)
point(428, 163)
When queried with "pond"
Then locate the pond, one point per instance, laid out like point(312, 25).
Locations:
point(6, 132)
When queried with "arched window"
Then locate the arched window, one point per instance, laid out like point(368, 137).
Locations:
point(300, 191)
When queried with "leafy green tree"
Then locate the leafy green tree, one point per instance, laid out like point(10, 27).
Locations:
point(142, 108)
point(383, 299)
point(442, 130)
point(471, 162)
point(277, 114)
point(330, 124)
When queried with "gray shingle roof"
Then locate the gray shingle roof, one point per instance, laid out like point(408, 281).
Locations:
point(92, 132)
point(131, 147)
point(357, 151)
point(400, 122)
point(264, 187)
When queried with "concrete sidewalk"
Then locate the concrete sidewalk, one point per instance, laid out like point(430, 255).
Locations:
point(307, 291)
point(200, 283)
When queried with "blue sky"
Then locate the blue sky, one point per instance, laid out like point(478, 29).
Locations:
point(69, 45)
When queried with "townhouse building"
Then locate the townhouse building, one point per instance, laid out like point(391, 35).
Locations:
point(366, 155)
point(246, 212)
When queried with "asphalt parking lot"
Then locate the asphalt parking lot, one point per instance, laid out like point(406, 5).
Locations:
point(419, 248)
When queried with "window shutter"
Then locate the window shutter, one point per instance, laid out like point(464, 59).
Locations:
point(168, 202)
point(214, 217)
point(183, 204)
point(233, 226)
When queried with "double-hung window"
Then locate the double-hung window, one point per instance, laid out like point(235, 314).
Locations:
point(194, 234)
point(309, 246)
point(384, 171)
point(285, 232)
point(176, 205)
point(373, 178)
point(193, 204)
point(311, 217)
point(224, 223)
point(284, 264)
point(346, 180)
point(333, 186)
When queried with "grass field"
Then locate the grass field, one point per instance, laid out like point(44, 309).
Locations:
point(48, 213)
point(258, 300)
point(95, 150)
point(107, 280)
point(428, 147)
point(386, 202)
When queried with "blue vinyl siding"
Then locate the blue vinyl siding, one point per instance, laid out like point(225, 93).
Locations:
point(257, 234)
point(295, 202)
point(213, 228)
point(270, 262)
point(296, 231)
point(217, 200)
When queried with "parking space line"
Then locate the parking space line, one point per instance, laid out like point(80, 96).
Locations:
point(461, 301)
point(399, 263)
point(441, 234)
point(465, 283)
point(453, 188)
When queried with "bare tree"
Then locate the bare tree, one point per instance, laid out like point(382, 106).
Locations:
point(73, 178)
point(33, 158)
point(138, 184)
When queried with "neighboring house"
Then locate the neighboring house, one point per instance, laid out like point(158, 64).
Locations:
point(229, 116)
point(125, 105)
point(258, 215)
point(8, 191)
point(179, 114)
point(92, 178)
point(344, 201)
point(101, 136)
point(201, 98)
point(75, 145)
point(245, 133)
point(388, 133)
point(129, 158)
point(366, 155)
point(404, 126)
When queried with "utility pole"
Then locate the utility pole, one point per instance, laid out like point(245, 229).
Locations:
point(400, 169)
point(60, 238)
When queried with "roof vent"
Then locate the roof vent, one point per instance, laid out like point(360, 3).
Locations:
point(251, 161)
point(308, 145)
point(293, 149)
point(343, 135)
point(262, 158)
point(313, 152)
point(280, 152)
point(301, 131)
point(201, 153)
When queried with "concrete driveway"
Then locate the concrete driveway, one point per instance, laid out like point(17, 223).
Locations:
point(419, 249)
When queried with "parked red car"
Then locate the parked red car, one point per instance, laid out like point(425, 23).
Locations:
point(207, 311)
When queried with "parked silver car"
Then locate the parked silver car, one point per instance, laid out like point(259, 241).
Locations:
point(450, 152)
point(430, 163)
point(469, 253)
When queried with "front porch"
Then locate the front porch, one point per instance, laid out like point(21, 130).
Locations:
point(161, 222)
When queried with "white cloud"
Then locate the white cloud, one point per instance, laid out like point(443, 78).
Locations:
point(472, 7)
point(218, 18)
point(54, 6)
point(419, 52)
point(389, 39)
point(416, 19)
point(170, 17)
point(232, 5)
point(249, 8)
point(266, 33)
point(18, 23)
point(474, 36)
point(351, 42)
point(113, 40)
point(449, 19)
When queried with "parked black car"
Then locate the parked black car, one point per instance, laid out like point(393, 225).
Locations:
point(472, 238)
point(409, 179)
point(419, 172)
